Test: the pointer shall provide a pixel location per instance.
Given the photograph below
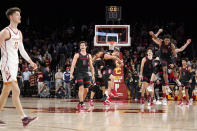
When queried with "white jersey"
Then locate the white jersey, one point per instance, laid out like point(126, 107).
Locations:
point(9, 55)
point(9, 49)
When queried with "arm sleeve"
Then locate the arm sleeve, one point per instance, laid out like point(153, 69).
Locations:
point(23, 52)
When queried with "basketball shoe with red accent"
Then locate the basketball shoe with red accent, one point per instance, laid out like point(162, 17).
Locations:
point(113, 93)
point(107, 101)
point(187, 103)
point(81, 107)
point(142, 102)
point(27, 120)
point(151, 103)
point(91, 103)
point(180, 103)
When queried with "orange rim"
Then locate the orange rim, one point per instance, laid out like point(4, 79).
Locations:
point(111, 42)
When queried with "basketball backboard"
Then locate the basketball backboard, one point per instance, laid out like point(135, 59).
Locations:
point(119, 35)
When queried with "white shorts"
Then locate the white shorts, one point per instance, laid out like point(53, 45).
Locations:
point(9, 72)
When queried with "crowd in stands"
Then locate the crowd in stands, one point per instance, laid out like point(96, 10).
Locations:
point(53, 48)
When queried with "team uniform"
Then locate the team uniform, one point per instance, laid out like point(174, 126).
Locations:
point(82, 75)
point(98, 81)
point(157, 70)
point(148, 70)
point(97, 67)
point(9, 56)
point(108, 70)
point(165, 54)
point(185, 77)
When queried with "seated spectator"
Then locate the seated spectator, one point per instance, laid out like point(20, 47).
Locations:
point(44, 92)
point(60, 92)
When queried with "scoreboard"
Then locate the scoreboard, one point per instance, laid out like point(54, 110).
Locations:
point(113, 12)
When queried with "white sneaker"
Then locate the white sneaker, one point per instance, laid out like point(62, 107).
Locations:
point(191, 101)
point(154, 101)
point(158, 102)
point(164, 102)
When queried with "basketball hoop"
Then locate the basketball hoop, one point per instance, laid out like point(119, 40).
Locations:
point(111, 45)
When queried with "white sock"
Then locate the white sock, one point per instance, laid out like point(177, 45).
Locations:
point(106, 93)
point(23, 116)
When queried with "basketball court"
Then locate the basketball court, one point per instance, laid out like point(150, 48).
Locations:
point(122, 115)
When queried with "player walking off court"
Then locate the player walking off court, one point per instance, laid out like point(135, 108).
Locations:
point(11, 40)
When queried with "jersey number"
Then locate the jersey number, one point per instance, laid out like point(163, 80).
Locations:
point(164, 50)
point(15, 45)
point(84, 62)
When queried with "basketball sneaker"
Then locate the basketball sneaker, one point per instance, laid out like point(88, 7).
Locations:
point(91, 103)
point(104, 98)
point(27, 120)
point(164, 102)
point(107, 101)
point(158, 102)
point(190, 101)
point(113, 93)
point(151, 102)
point(187, 103)
point(154, 101)
point(81, 107)
point(2, 123)
point(180, 103)
point(142, 102)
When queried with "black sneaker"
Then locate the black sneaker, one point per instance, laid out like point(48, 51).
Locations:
point(103, 98)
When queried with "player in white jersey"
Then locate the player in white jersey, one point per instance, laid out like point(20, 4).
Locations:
point(10, 42)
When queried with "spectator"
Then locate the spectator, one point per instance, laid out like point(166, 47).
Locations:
point(26, 76)
point(66, 79)
point(67, 64)
point(44, 91)
point(39, 57)
point(60, 92)
point(58, 79)
point(40, 79)
point(134, 85)
point(33, 83)
point(48, 55)
point(20, 79)
point(128, 81)
point(47, 77)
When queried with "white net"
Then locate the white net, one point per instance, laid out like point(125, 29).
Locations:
point(111, 45)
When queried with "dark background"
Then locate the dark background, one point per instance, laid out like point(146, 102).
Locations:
point(58, 12)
